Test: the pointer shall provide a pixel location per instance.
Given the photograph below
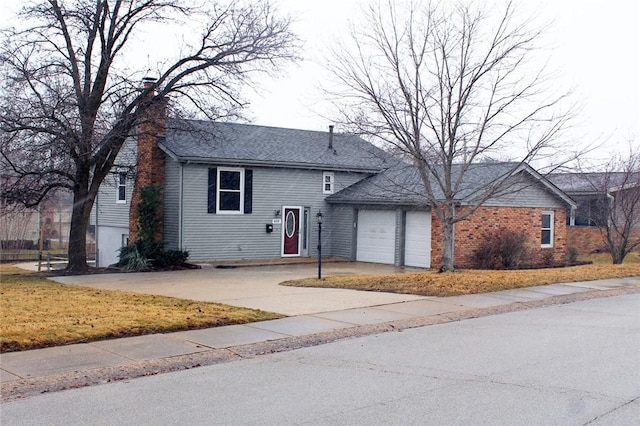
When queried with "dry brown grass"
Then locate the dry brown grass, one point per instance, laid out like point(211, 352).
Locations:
point(432, 283)
point(605, 258)
point(36, 313)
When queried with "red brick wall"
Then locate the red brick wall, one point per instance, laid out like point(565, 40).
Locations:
point(470, 233)
point(589, 239)
point(150, 160)
point(585, 239)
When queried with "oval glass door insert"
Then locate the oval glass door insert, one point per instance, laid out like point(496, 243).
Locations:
point(290, 224)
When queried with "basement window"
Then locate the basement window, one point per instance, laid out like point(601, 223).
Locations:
point(546, 239)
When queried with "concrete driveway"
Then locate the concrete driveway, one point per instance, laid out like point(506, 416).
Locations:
point(254, 287)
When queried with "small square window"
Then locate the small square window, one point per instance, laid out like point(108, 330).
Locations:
point(327, 182)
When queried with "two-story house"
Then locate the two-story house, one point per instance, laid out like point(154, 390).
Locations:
point(239, 191)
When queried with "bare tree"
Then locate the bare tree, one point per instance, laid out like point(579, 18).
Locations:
point(618, 201)
point(70, 94)
point(447, 88)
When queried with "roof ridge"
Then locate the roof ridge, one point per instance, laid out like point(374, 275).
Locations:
point(233, 123)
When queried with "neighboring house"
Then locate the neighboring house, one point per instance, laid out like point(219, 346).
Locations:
point(238, 191)
point(22, 228)
point(594, 194)
point(586, 189)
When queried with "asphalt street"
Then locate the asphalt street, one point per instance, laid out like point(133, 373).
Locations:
point(571, 364)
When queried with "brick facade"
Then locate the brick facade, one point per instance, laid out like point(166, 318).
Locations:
point(586, 239)
point(590, 239)
point(470, 233)
point(150, 160)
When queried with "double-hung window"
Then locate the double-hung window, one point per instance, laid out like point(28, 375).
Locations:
point(230, 194)
point(546, 239)
point(230, 190)
point(327, 182)
point(122, 188)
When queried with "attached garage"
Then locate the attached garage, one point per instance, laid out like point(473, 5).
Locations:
point(417, 241)
point(376, 236)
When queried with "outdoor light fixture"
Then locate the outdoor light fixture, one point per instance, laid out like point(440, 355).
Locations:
point(319, 218)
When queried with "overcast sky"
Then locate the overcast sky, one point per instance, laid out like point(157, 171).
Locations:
point(596, 52)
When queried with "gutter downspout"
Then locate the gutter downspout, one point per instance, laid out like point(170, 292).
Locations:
point(572, 216)
point(181, 206)
point(95, 234)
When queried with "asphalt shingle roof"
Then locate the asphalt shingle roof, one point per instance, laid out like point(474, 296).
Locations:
point(586, 183)
point(402, 184)
point(233, 143)
point(394, 182)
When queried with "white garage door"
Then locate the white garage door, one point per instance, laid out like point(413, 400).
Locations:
point(376, 236)
point(417, 241)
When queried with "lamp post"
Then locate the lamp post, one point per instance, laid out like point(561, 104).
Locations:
point(319, 218)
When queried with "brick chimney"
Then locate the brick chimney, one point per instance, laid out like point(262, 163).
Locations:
point(150, 158)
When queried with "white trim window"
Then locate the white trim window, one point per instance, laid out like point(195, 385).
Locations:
point(121, 191)
point(328, 182)
point(230, 191)
point(546, 237)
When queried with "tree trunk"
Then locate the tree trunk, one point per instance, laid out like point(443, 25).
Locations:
point(617, 244)
point(618, 254)
point(80, 216)
point(78, 239)
point(446, 264)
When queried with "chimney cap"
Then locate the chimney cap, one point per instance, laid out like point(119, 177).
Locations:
point(148, 82)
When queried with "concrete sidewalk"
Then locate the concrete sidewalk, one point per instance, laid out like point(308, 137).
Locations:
point(38, 370)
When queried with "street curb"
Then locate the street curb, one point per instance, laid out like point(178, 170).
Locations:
point(29, 387)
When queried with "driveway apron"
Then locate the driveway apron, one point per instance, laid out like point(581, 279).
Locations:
point(256, 287)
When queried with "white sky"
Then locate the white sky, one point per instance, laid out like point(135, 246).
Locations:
point(596, 52)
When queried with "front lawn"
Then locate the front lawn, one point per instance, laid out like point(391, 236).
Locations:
point(36, 313)
point(469, 281)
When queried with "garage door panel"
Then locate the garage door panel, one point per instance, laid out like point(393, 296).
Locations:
point(417, 246)
point(376, 236)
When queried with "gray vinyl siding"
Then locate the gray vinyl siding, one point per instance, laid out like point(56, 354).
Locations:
point(528, 194)
point(398, 256)
point(209, 236)
point(109, 211)
point(171, 193)
point(342, 230)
